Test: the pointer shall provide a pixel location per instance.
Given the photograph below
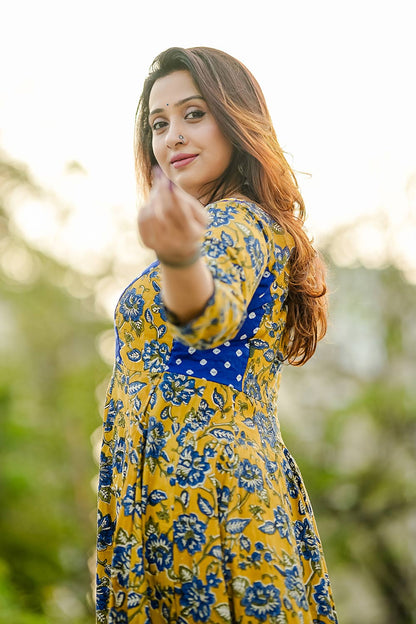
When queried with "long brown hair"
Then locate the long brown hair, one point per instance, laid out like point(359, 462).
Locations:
point(258, 170)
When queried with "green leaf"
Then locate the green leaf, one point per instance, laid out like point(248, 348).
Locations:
point(163, 514)
point(138, 326)
point(264, 496)
point(256, 511)
point(185, 574)
point(105, 493)
point(152, 463)
point(151, 527)
point(316, 566)
point(122, 537)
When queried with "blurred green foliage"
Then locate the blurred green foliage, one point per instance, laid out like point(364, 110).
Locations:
point(349, 417)
point(49, 373)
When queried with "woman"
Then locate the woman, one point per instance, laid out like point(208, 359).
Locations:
point(203, 516)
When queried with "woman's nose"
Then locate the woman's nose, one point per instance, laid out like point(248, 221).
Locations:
point(174, 136)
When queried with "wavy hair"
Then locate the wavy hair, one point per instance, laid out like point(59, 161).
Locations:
point(258, 170)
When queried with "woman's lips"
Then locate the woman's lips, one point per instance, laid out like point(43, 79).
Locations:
point(184, 160)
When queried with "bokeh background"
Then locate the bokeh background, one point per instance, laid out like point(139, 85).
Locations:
point(339, 80)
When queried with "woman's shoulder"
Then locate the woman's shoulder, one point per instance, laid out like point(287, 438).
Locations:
point(235, 203)
point(228, 209)
point(222, 211)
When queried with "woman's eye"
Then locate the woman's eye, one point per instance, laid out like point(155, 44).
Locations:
point(158, 125)
point(196, 114)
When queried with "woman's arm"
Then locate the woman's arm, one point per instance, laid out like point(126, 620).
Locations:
point(173, 224)
point(186, 291)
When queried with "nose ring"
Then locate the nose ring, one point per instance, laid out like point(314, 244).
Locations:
point(181, 138)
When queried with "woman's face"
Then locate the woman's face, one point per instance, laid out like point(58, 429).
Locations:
point(178, 109)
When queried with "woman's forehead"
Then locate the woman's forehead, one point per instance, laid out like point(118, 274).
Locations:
point(171, 89)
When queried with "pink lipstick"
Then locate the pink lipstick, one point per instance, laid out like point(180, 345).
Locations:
point(181, 160)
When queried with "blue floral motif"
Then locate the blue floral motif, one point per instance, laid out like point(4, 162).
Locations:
point(121, 560)
point(133, 599)
point(106, 529)
point(156, 439)
point(237, 525)
point(159, 551)
point(106, 472)
point(251, 386)
point(322, 597)
point(131, 305)
point(261, 601)
point(281, 523)
point(156, 497)
point(267, 427)
point(120, 454)
point(213, 580)
point(133, 456)
point(276, 364)
point(255, 252)
point(263, 216)
point(205, 506)
point(220, 216)
point(158, 302)
point(134, 355)
point(118, 347)
point(113, 410)
point(138, 568)
point(155, 356)
point(245, 543)
point(224, 495)
point(202, 417)
point(189, 533)
point(271, 466)
point(197, 599)
point(308, 545)
point(144, 499)
point(291, 480)
point(282, 256)
point(196, 420)
point(227, 557)
point(102, 593)
point(215, 248)
point(129, 503)
point(178, 389)
point(192, 468)
point(296, 587)
point(117, 617)
point(250, 476)
point(219, 274)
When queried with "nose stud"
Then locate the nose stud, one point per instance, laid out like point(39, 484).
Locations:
point(181, 138)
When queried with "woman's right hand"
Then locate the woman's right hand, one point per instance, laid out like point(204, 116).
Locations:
point(171, 222)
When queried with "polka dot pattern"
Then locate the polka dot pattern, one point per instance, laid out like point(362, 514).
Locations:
point(229, 361)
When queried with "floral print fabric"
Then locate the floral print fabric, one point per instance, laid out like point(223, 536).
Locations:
point(203, 515)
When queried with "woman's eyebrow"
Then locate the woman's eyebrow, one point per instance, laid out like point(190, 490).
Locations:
point(191, 97)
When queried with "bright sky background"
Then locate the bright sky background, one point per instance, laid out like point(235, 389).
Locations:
point(338, 78)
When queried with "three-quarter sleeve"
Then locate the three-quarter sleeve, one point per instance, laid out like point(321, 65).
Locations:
point(236, 250)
